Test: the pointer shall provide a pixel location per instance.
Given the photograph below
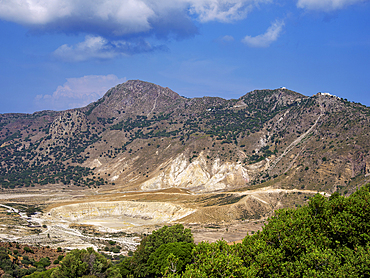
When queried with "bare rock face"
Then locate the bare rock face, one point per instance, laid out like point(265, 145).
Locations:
point(197, 176)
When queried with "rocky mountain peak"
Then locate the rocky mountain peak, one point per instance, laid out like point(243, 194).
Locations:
point(132, 98)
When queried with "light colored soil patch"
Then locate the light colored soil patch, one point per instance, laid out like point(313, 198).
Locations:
point(119, 223)
point(109, 223)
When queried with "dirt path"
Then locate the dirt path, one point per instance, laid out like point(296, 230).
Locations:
point(14, 196)
point(278, 190)
point(10, 208)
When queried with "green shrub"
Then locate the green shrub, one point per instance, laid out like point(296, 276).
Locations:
point(28, 250)
point(330, 237)
point(82, 263)
point(137, 265)
point(170, 258)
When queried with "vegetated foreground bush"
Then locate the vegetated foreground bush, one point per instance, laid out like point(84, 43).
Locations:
point(327, 238)
point(330, 237)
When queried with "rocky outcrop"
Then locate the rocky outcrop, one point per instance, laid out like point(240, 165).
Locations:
point(198, 176)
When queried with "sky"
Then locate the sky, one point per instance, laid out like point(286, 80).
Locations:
point(62, 54)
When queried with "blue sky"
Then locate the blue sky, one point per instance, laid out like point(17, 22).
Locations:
point(60, 54)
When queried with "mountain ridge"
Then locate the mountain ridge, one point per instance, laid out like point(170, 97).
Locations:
point(142, 128)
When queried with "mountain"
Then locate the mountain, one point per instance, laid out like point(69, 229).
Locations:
point(141, 137)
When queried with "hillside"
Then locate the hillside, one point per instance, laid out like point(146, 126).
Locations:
point(141, 136)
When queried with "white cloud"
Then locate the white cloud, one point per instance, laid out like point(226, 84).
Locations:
point(92, 47)
point(227, 38)
point(116, 17)
point(120, 17)
point(326, 5)
point(222, 10)
point(34, 12)
point(267, 38)
point(78, 92)
point(96, 47)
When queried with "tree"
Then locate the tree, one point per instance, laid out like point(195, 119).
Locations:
point(216, 260)
point(171, 257)
point(330, 237)
point(79, 263)
point(139, 261)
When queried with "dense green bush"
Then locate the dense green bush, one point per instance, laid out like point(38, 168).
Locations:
point(27, 249)
point(79, 263)
point(170, 257)
point(327, 238)
point(215, 260)
point(138, 265)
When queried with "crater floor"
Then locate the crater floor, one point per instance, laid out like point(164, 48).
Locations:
point(75, 218)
